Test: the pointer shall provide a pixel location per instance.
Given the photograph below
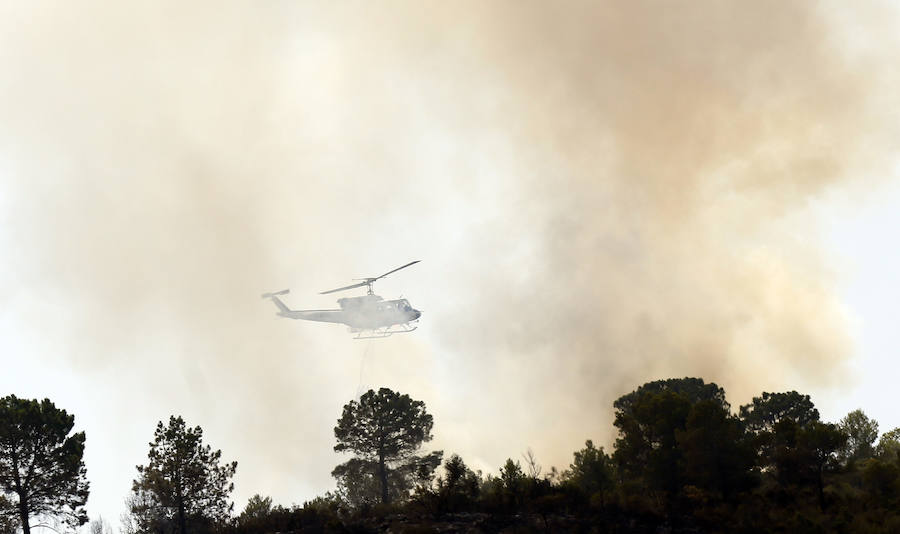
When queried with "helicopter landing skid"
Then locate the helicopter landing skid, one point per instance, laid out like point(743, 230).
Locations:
point(384, 332)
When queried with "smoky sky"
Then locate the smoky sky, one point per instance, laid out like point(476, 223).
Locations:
point(602, 194)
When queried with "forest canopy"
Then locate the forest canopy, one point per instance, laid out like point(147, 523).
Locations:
point(683, 460)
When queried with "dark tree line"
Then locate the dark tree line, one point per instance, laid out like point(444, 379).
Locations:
point(683, 460)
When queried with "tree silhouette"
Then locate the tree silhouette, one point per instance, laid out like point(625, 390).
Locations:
point(384, 430)
point(260, 515)
point(359, 483)
point(41, 465)
point(882, 479)
point(767, 410)
point(591, 471)
point(889, 445)
point(9, 516)
point(774, 419)
point(257, 507)
point(649, 419)
point(458, 487)
point(717, 455)
point(512, 476)
point(682, 460)
point(861, 434)
point(183, 482)
point(818, 444)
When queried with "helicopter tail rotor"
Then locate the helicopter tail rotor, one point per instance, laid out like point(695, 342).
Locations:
point(283, 310)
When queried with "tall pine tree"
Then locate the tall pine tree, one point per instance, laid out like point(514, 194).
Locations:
point(183, 485)
point(41, 466)
point(384, 429)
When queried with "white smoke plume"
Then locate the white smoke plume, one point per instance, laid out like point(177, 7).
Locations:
point(602, 194)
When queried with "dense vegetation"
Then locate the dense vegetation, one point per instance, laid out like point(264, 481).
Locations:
point(41, 468)
point(684, 461)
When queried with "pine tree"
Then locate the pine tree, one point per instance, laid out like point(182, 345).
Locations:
point(41, 465)
point(183, 484)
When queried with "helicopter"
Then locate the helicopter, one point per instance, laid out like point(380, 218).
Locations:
point(368, 316)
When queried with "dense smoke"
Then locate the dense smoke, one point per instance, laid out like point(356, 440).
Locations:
point(602, 194)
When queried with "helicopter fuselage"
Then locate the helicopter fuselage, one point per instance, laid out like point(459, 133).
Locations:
point(368, 312)
point(371, 312)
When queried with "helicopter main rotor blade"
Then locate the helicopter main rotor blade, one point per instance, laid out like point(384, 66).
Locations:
point(343, 288)
point(397, 269)
point(368, 281)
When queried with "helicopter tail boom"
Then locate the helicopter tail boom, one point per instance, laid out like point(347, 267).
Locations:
point(274, 296)
point(325, 316)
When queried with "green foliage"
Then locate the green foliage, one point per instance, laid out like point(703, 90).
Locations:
point(457, 489)
point(651, 420)
point(257, 507)
point(716, 455)
point(769, 409)
point(803, 456)
point(821, 442)
point(774, 419)
point(359, 483)
point(882, 480)
point(384, 430)
point(514, 488)
point(512, 476)
point(459, 485)
point(592, 471)
point(889, 445)
point(184, 486)
point(861, 435)
point(694, 389)
point(383, 424)
point(261, 516)
point(682, 462)
point(9, 516)
point(41, 466)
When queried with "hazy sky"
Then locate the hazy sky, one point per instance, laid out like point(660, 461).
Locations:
point(601, 194)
